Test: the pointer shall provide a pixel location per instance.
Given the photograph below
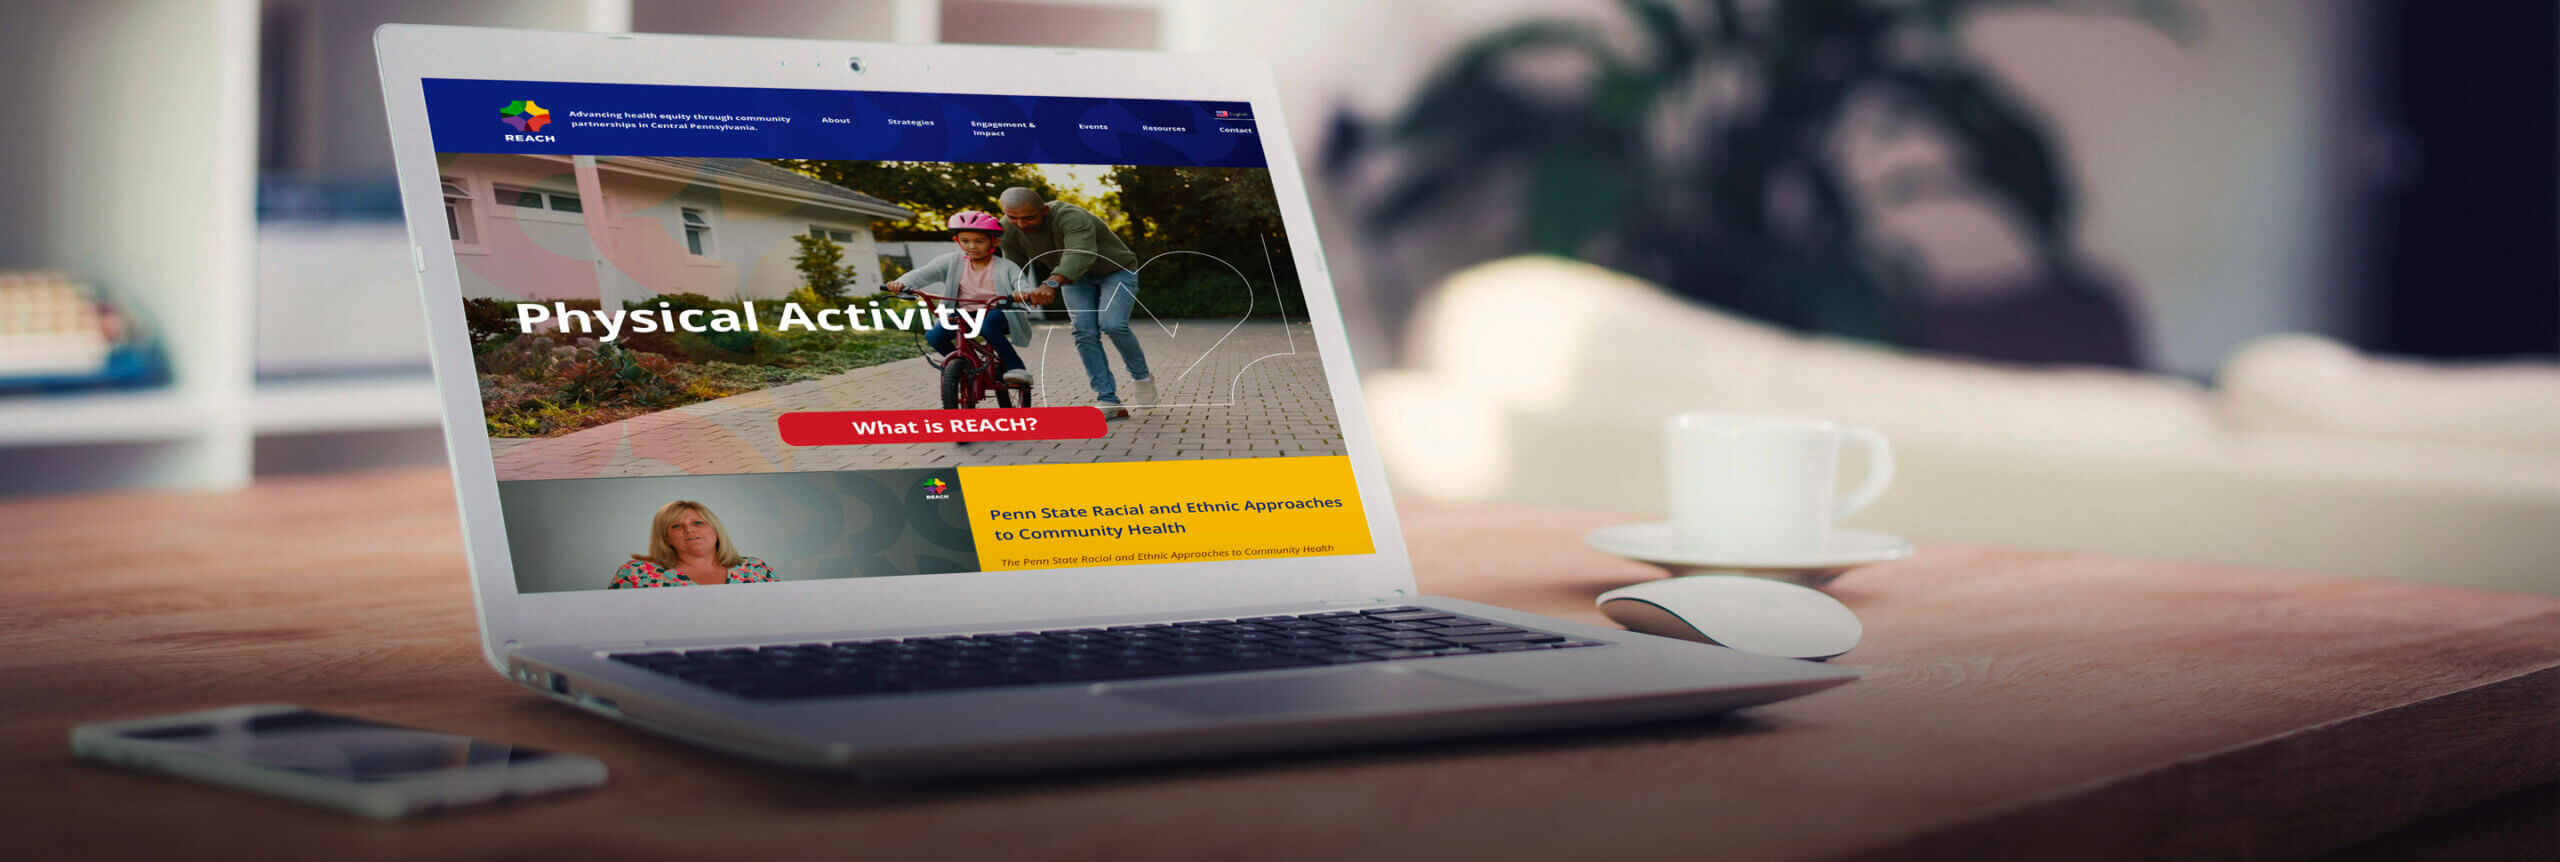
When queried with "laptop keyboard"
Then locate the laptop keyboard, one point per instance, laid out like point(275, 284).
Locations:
point(860, 667)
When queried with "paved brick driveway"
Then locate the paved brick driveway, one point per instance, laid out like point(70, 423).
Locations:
point(1255, 391)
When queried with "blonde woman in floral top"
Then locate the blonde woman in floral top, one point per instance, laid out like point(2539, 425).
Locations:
point(687, 546)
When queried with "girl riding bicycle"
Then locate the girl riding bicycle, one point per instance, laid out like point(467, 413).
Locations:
point(973, 274)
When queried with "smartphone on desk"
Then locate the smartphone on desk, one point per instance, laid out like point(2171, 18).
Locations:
point(352, 765)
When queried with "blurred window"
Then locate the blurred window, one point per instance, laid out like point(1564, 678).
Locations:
point(834, 234)
point(524, 198)
point(519, 197)
point(457, 212)
point(697, 232)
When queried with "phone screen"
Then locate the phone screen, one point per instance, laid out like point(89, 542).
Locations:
point(338, 747)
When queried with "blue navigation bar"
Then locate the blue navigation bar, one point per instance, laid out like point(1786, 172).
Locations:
point(474, 116)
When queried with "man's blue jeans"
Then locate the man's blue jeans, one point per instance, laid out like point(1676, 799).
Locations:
point(1098, 305)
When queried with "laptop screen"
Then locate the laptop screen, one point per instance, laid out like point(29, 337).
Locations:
point(1092, 349)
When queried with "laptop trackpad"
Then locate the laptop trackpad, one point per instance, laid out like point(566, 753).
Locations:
point(1329, 692)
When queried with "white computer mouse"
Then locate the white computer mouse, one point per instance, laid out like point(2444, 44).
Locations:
point(1746, 613)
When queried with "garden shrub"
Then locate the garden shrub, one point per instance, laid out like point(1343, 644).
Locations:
point(494, 320)
point(1177, 288)
point(544, 384)
point(809, 299)
point(489, 320)
point(607, 374)
point(680, 301)
point(658, 343)
point(743, 348)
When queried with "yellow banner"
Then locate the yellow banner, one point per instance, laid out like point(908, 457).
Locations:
point(1047, 516)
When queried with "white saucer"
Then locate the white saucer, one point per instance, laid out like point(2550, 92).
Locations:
point(1651, 542)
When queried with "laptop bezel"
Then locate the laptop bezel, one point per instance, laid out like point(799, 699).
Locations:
point(509, 619)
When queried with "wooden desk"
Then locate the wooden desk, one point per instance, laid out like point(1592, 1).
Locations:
point(2027, 704)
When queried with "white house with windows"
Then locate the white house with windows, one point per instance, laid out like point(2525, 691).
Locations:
point(626, 228)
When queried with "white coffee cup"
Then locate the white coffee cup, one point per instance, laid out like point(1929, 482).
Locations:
point(1752, 487)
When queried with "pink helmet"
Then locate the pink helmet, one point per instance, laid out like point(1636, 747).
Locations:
point(974, 220)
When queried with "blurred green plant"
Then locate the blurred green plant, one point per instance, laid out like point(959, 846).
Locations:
point(608, 373)
point(1712, 158)
point(546, 383)
point(1230, 214)
point(821, 266)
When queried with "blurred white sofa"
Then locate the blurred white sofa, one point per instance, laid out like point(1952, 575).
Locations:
point(1547, 381)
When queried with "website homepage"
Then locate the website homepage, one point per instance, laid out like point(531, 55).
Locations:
point(729, 335)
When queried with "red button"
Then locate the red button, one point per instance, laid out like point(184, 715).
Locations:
point(859, 427)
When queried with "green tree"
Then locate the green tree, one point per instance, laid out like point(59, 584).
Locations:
point(1228, 213)
point(821, 265)
point(934, 190)
point(1218, 210)
point(1105, 206)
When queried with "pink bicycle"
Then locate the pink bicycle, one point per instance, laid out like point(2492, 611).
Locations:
point(971, 372)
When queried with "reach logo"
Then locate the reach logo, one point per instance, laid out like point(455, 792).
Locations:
point(525, 116)
point(936, 489)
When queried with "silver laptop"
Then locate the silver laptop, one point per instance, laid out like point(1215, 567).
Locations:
point(1093, 486)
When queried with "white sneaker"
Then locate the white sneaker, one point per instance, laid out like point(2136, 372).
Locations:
point(1018, 376)
point(1142, 393)
point(1110, 410)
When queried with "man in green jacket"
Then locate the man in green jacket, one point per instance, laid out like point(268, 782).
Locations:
point(1099, 276)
